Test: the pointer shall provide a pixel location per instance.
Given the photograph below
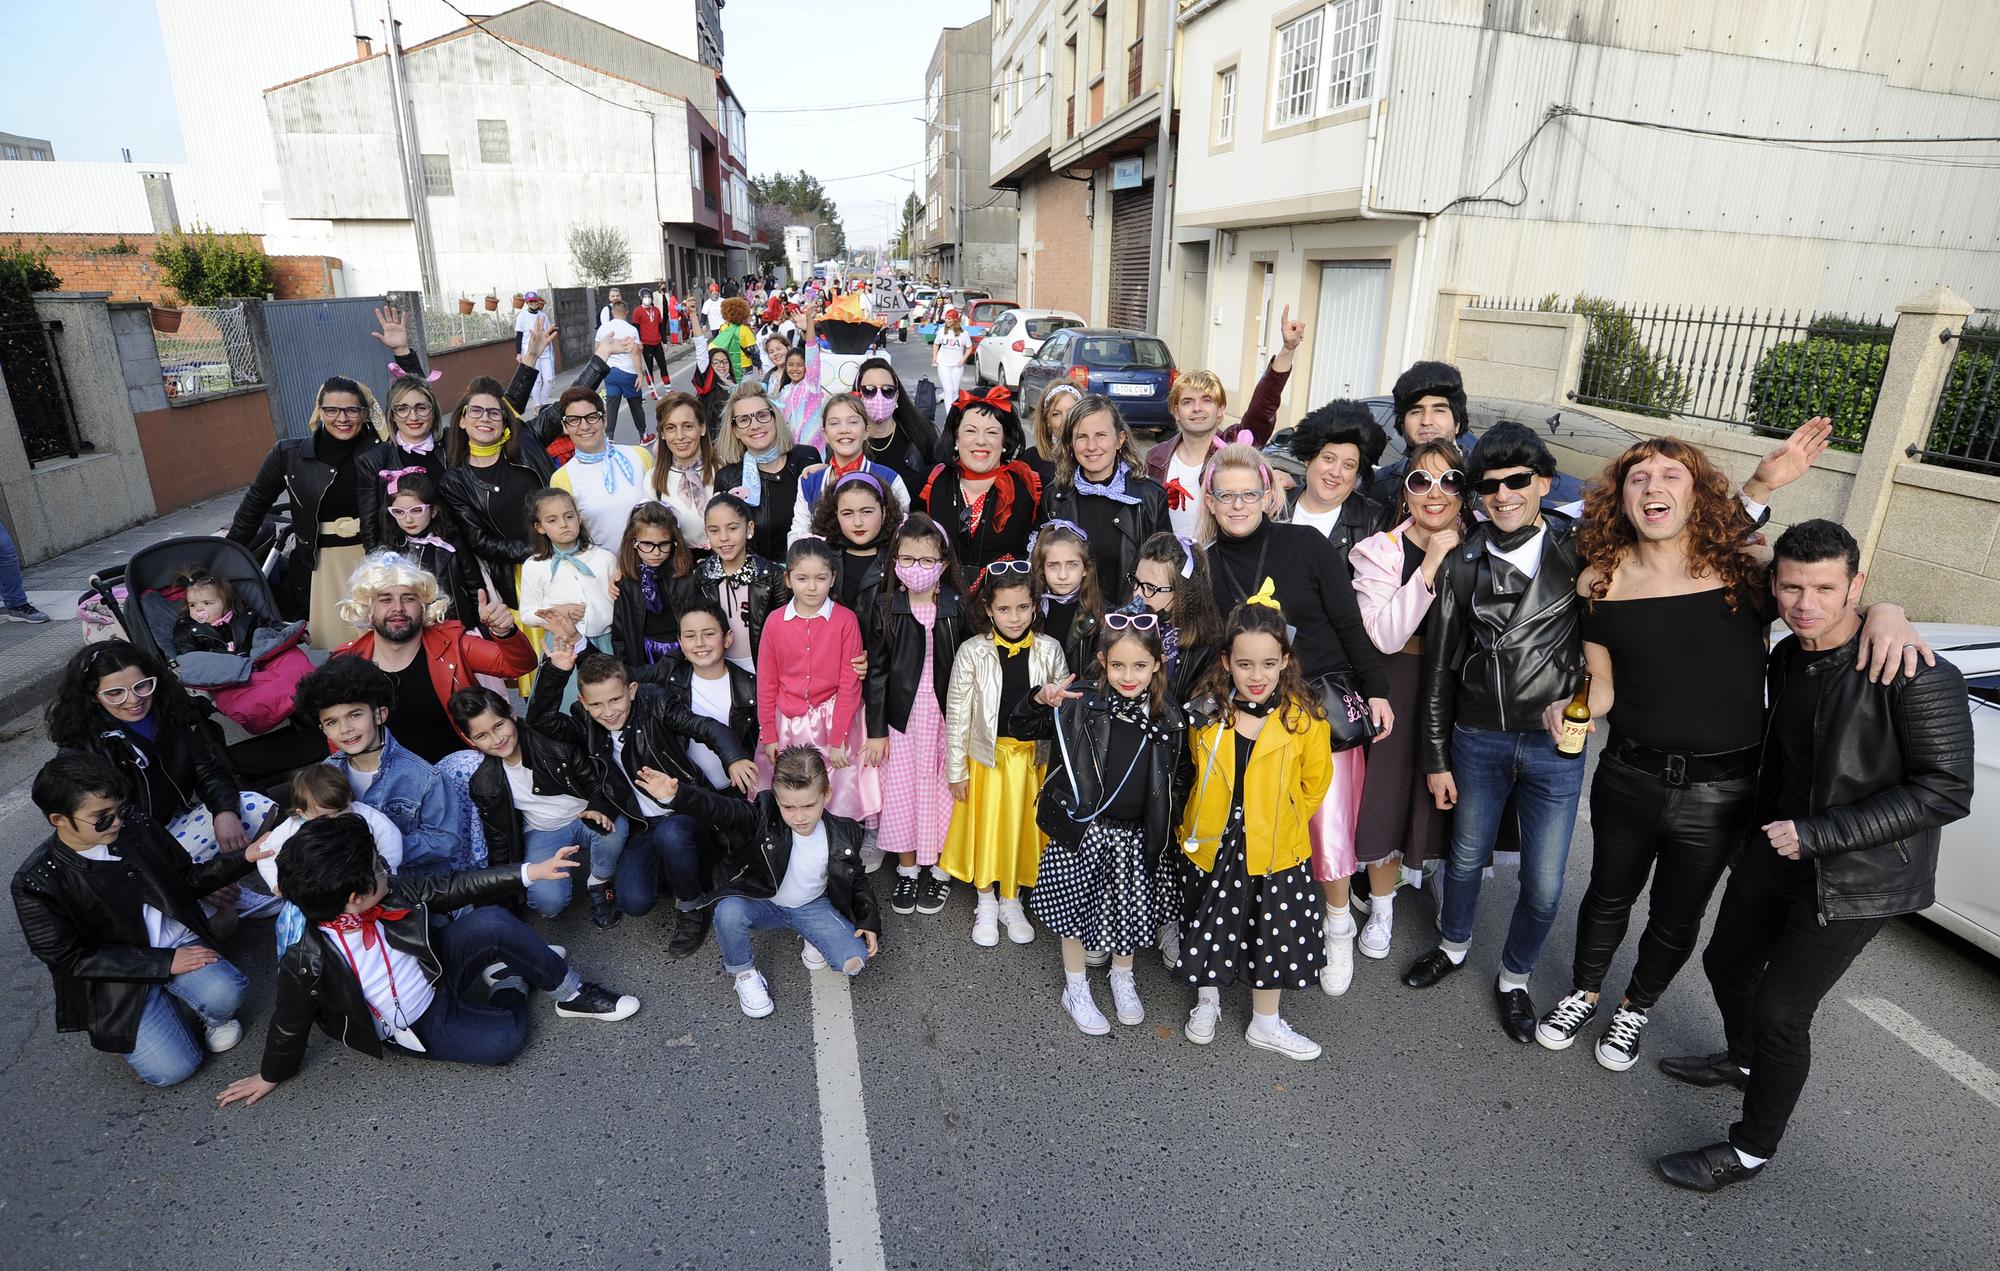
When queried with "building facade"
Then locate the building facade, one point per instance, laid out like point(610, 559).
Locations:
point(28, 149)
point(966, 235)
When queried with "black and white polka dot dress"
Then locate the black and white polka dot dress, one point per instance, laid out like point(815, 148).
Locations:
point(1108, 892)
point(1262, 930)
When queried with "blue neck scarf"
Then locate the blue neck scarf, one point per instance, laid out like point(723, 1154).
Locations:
point(1113, 489)
point(570, 556)
point(619, 466)
point(753, 474)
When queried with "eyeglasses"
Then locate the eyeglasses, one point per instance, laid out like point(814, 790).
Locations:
point(755, 417)
point(409, 510)
point(1000, 568)
point(1150, 590)
point(594, 417)
point(342, 412)
point(1132, 621)
point(652, 547)
point(1421, 482)
point(119, 696)
point(1491, 485)
point(494, 413)
point(1236, 498)
point(879, 390)
point(106, 819)
point(928, 562)
point(412, 410)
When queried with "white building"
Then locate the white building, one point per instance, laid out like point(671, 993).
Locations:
point(798, 251)
point(1349, 158)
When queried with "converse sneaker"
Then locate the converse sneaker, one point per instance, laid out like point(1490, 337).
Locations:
point(594, 1001)
point(904, 899)
point(1096, 957)
point(603, 906)
point(1125, 998)
point(1200, 1026)
point(1082, 1008)
point(1170, 944)
point(753, 994)
point(986, 921)
point(932, 892)
point(1338, 973)
point(223, 1036)
point(1015, 918)
point(1618, 1049)
point(1560, 1026)
point(1274, 1034)
point(1375, 933)
point(810, 955)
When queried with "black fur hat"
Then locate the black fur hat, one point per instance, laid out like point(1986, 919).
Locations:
point(1432, 379)
point(1341, 421)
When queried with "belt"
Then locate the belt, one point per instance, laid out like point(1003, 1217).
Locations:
point(344, 527)
point(1681, 767)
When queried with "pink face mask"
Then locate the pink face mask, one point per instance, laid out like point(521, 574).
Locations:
point(878, 408)
point(920, 578)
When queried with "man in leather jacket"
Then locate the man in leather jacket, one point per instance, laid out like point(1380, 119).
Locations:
point(1857, 780)
point(1502, 641)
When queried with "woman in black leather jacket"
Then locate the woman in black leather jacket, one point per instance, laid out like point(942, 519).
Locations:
point(492, 466)
point(319, 472)
point(1101, 484)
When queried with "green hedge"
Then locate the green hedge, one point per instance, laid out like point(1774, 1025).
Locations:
point(204, 267)
point(22, 274)
point(1968, 417)
point(1618, 369)
point(1819, 375)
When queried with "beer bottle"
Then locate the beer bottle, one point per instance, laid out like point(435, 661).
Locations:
point(1575, 729)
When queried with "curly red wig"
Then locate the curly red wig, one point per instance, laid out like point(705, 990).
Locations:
point(1716, 526)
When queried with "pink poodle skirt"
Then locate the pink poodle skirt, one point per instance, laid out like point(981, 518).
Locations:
point(856, 791)
point(1332, 827)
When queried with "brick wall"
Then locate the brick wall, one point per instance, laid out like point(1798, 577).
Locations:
point(98, 262)
point(1061, 248)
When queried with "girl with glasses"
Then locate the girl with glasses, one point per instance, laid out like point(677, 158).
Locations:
point(492, 467)
point(412, 449)
point(418, 525)
point(653, 564)
point(762, 465)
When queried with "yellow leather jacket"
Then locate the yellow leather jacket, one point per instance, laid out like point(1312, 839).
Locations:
point(1288, 776)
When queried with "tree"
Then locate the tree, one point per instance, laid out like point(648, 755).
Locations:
point(599, 253)
point(801, 200)
point(906, 233)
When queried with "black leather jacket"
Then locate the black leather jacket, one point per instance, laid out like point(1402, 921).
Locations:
point(470, 500)
point(1085, 723)
point(290, 468)
point(896, 660)
point(82, 918)
point(1892, 765)
point(760, 850)
point(629, 617)
point(1487, 668)
point(769, 592)
point(771, 519)
point(316, 986)
point(559, 767)
point(1059, 502)
point(676, 676)
point(371, 491)
point(192, 770)
point(657, 734)
point(1360, 516)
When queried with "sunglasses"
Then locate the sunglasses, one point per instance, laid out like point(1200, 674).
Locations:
point(409, 510)
point(118, 696)
point(1131, 621)
point(105, 820)
point(1421, 482)
point(1150, 590)
point(1002, 567)
point(879, 390)
point(1492, 485)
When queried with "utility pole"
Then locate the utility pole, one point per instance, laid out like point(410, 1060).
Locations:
point(406, 145)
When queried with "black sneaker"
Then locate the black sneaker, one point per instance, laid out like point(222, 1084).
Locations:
point(932, 892)
point(904, 899)
point(1618, 1049)
point(594, 1001)
point(603, 906)
point(690, 929)
point(1560, 1026)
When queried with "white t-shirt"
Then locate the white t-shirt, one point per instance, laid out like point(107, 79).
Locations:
point(1184, 518)
point(388, 841)
point(524, 322)
point(711, 312)
point(805, 873)
point(619, 329)
point(540, 811)
point(647, 806)
point(1321, 521)
point(951, 349)
point(359, 780)
point(379, 968)
point(710, 698)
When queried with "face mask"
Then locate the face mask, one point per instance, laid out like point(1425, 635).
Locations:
point(920, 577)
point(878, 408)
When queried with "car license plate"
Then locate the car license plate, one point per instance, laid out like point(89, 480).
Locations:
point(1131, 390)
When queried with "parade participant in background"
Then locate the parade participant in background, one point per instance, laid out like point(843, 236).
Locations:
point(794, 381)
point(607, 480)
point(418, 526)
point(492, 465)
point(1261, 768)
point(113, 909)
point(984, 498)
point(653, 566)
point(808, 692)
point(746, 587)
point(648, 319)
point(684, 464)
point(319, 474)
point(761, 465)
point(613, 299)
point(545, 421)
point(1429, 401)
point(622, 384)
point(898, 433)
point(712, 385)
point(909, 679)
point(1100, 486)
point(845, 434)
point(735, 337)
point(994, 772)
point(676, 317)
point(950, 350)
point(711, 309)
point(1338, 443)
point(1066, 580)
point(859, 521)
point(533, 336)
point(1196, 402)
point(1856, 779)
point(413, 411)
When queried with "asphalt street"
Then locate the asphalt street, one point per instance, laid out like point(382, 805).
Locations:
point(941, 1112)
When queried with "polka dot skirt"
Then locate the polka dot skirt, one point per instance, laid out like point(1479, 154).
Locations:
point(1259, 930)
point(1107, 893)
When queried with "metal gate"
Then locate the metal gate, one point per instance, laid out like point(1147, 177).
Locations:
point(39, 390)
point(1131, 255)
point(312, 340)
point(1347, 349)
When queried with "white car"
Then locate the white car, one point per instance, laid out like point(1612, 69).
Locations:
point(1014, 338)
point(1968, 876)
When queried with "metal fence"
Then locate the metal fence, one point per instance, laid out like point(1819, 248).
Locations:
point(312, 340)
point(39, 390)
point(446, 328)
point(1769, 372)
point(1965, 429)
point(210, 352)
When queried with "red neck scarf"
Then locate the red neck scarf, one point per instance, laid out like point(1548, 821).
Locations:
point(365, 921)
point(836, 469)
point(1004, 478)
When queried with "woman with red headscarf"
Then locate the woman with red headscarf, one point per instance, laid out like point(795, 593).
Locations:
point(987, 500)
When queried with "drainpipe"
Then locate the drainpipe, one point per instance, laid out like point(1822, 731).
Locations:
point(1163, 162)
point(406, 143)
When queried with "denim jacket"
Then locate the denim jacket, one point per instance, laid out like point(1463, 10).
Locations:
point(424, 807)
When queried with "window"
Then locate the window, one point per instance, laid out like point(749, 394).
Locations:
point(694, 166)
point(1350, 66)
point(1326, 60)
point(1041, 58)
point(1043, 328)
point(1225, 107)
point(999, 120)
point(1298, 67)
point(1098, 37)
point(8, 150)
point(493, 141)
point(437, 174)
point(36, 152)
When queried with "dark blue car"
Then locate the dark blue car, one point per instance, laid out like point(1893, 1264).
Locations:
point(1131, 368)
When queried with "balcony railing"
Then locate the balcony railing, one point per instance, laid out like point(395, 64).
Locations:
point(1134, 63)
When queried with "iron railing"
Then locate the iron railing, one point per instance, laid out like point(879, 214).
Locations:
point(39, 390)
point(446, 328)
point(1965, 428)
point(1769, 371)
point(210, 352)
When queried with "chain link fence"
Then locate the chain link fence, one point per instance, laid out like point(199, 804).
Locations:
point(211, 352)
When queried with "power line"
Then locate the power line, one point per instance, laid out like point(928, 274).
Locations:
point(1793, 141)
point(548, 70)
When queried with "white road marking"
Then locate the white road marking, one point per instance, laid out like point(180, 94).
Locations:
point(853, 1224)
point(12, 803)
point(1961, 1067)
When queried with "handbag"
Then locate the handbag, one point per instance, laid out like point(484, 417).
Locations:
point(1347, 715)
point(1059, 811)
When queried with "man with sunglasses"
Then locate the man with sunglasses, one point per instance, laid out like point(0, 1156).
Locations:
point(607, 480)
point(114, 909)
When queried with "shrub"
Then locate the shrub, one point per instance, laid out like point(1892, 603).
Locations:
point(1819, 375)
point(1618, 369)
point(204, 267)
point(22, 274)
point(1968, 415)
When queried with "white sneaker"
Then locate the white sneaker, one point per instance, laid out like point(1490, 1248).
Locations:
point(1096, 957)
point(1338, 973)
point(1082, 1008)
point(810, 955)
point(753, 994)
point(1170, 944)
point(1279, 1037)
point(986, 921)
point(1125, 998)
point(224, 1036)
point(1375, 934)
point(1019, 929)
point(1200, 1026)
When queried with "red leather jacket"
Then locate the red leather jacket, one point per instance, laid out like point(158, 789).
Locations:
point(455, 657)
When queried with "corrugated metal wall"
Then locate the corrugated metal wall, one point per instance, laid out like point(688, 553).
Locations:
point(314, 339)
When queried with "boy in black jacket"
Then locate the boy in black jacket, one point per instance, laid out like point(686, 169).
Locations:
point(114, 909)
point(789, 864)
point(373, 971)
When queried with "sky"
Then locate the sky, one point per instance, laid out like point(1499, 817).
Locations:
point(787, 60)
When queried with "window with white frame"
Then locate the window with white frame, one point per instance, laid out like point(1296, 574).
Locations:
point(1225, 107)
point(1325, 60)
point(1297, 81)
point(694, 166)
point(1354, 30)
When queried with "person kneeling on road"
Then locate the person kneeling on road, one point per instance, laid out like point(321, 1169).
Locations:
point(789, 863)
point(374, 972)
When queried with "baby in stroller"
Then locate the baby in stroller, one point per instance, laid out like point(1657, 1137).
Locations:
point(250, 663)
point(212, 619)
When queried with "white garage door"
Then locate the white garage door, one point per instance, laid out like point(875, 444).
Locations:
point(1347, 342)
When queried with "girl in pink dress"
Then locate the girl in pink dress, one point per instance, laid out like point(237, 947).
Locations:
point(808, 693)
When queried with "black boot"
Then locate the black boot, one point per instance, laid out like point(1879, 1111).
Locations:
point(690, 929)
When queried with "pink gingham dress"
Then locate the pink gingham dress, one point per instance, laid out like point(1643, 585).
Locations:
point(918, 817)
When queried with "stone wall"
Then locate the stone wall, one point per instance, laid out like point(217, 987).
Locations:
point(122, 266)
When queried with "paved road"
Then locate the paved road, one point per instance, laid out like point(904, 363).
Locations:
point(959, 1121)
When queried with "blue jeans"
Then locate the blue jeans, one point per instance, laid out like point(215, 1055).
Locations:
point(168, 1051)
point(13, 591)
point(818, 921)
point(676, 848)
point(456, 1031)
point(1489, 767)
point(552, 897)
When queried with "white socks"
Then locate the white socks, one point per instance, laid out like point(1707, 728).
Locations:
point(1749, 1161)
point(1077, 979)
point(938, 872)
point(1209, 996)
point(1455, 951)
point(908, 871)
point(1382, 905)
point(1509, 982)
point(1339, 920)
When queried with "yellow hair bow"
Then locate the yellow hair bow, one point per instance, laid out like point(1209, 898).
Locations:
point(1267, 595)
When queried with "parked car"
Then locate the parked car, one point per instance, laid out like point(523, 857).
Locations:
point(1132, 368)
point(1015, 337)
point(980, 316)
point(1968, 876)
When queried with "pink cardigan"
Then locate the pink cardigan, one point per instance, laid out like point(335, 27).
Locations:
point(801, 662)
point(1392, 610)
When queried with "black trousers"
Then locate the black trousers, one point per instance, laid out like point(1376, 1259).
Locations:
point(1771, 961)
point(1682, 836)
point(655, 356)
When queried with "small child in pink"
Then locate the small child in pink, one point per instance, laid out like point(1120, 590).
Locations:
point(808, 691)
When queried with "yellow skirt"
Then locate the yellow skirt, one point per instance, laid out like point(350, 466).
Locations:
point(993, 839)
point(324, 625)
